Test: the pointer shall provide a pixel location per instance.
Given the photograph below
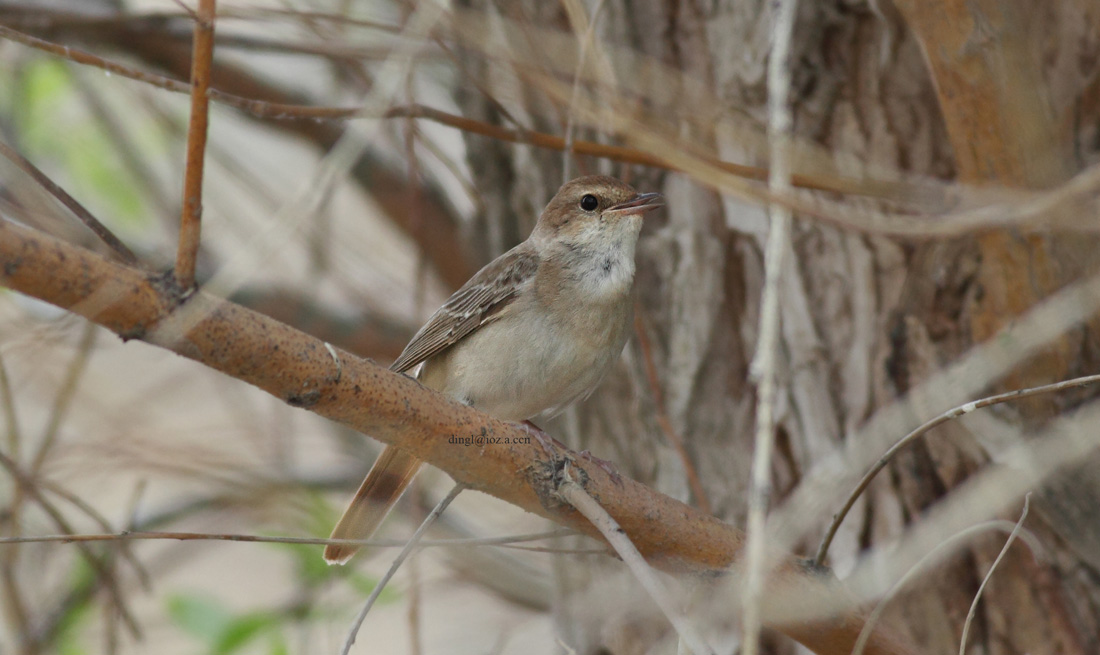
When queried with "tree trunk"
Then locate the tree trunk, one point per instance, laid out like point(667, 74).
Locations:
point(984, 93)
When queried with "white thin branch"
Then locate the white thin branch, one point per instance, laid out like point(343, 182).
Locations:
point(575, 495)
point(401, 557)
point(767, 348)
point(985, 580)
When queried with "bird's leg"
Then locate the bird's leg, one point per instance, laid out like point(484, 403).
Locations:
point(551, 445)
point(607, 466)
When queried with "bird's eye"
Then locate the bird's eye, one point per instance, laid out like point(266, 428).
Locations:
point(589, 202)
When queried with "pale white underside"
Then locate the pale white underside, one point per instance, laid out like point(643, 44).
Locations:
point(534, 361)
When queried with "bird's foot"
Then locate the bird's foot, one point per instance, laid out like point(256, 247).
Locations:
point(607, 466)
point(551, 445)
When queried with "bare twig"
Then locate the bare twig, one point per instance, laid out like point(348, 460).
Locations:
point(949, 415)
point(940, 551)
point(763, 369)
point(405, 552)
point(258, 108)
point(989, 574)
point(286, 111)
point(28, 486)
point(821, 491)
point(202, 54)
point(268, 539)
point(65, 394)
point(673, 437)
point(119, 249)
point(15, 609)
point(586, 34)
point(575, 495)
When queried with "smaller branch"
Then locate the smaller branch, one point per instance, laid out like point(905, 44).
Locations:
point(119, 249)
point(673, 437)
point(504, 541)
point(949, 415)
point(577, 16)
point(92, 513)
point(65, 394)
point(575, 495)
point(401, 557)
point(935, 555)
point(202, 55)
point(28, 486)
point(993, 567)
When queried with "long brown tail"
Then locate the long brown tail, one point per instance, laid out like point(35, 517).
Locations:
point(383, 486)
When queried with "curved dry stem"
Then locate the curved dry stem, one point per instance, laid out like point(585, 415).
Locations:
point(763, 368)
point(949, 415)
point(576, 496)
point(978, 596)
point(936, 554)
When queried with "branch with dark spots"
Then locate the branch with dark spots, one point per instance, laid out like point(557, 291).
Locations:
point(397, 410)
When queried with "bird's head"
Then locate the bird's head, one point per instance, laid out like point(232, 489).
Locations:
point(595, 212)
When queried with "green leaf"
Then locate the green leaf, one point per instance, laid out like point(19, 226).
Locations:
point(244, 629)
point(200, 616)
point(365, 585)
point(278, 645)
point(69, 641)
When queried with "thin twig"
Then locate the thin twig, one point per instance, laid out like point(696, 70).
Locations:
point(989, 574)
point(105, 235)
point(586, 41)
point(16, 615)
point(575, 495)
point(932, 556)
point(405, 552)
point(65, 394)
point(673, 437)
point(104, 524)
point(267, 539)
point(764, 363)
point(286, 111)
point(202, 54)
point(28, 486)
point(949, 415)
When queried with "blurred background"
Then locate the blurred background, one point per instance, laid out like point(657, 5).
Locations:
point(365, 158)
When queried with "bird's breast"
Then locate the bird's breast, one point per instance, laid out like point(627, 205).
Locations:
point(534, 360)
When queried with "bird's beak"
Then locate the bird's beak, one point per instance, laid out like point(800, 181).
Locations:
point(639, 204)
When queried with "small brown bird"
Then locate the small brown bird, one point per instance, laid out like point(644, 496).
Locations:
point(532, 332)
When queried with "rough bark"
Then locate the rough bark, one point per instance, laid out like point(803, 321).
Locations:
point(982, 93)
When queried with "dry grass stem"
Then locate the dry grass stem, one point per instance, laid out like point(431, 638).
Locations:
point(410, 546)
point(124, 254)
point(765, 362)
point(697, 491)
point(949, 415)
point(575, 495)
point(993, 567)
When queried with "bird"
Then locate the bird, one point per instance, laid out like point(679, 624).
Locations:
point(532, 332)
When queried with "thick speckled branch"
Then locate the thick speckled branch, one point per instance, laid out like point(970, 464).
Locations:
point(506, 462)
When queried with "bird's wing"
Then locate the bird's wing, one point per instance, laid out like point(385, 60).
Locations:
point(483, 299)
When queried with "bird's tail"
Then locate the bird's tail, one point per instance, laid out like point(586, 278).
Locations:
point(383, 486)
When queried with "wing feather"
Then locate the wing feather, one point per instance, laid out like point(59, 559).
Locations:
point(483, 299)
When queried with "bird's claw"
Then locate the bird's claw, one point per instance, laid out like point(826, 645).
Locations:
point(607, 466)
point(551, 445)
